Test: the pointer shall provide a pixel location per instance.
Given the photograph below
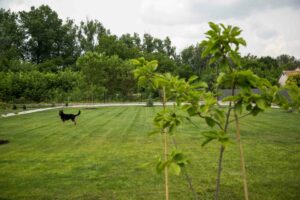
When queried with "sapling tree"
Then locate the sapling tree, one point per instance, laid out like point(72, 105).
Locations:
point(167, 119)
point(222, 44)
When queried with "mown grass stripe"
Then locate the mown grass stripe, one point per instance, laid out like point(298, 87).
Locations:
point(104, 157)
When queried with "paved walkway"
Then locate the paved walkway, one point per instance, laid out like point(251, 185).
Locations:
point(82, 106)
point(93, 105)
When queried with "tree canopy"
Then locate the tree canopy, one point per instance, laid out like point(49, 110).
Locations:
point(38, 41)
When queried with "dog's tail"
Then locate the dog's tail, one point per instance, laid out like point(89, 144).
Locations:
point(78, 113)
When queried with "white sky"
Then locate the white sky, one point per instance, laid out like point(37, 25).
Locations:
point(270, 27)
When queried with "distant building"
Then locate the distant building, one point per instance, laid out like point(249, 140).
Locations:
point(285, 75)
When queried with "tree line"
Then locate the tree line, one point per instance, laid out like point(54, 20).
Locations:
point(46, 59)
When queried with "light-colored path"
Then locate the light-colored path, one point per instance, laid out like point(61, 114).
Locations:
point(82, 106)
point(28, 111)
point(93, 105)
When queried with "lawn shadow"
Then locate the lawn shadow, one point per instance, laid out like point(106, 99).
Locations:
point(4, 142)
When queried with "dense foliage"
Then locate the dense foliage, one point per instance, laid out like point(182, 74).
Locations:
point(38, 86)
point(295, 78)
point(37, 43)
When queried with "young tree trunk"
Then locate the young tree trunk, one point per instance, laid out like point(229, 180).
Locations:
point(243, 168)
point(222, 149)
point(219, 172)
point(165, 148)
point(166, 168)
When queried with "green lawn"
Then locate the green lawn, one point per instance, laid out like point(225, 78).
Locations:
point(104, 157)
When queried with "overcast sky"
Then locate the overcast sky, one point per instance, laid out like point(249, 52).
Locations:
point(270, 27)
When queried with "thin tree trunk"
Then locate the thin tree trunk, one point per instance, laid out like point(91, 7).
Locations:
point(219, 172)
point(243, 168)
point(222, 148)
point(165, 149)
point(166, 168)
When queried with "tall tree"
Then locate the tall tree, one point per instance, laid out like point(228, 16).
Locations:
point(287, 62)
point(90, 34)
point(43, 38)
point(124, 47)
point(131, 46)
point(192, 56)
point(11, 39)
point(148, 43)
point(69, 48)
point(137, 40)
point(169, 49)
point(159, 45)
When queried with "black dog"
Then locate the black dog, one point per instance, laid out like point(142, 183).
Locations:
point(64, 117)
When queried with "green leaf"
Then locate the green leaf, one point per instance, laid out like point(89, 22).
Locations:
point(235, 31)
point(261, 103)
point(192, 111)
point(219, 115)
point(210, 121)
point(211, 134)
point(214, 26)
point(242, 41)
point(152, 65)
point(192, 78)
point(178, 157)
point(200, 84)
point(135, 62)
point(206, 52)
point(249, 107)
point(255, 110)
point(206, 141)
point(160, 166)
point(235, 58)
point(214, 134)
point(174, 168)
